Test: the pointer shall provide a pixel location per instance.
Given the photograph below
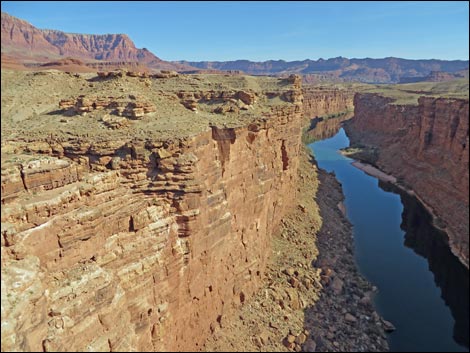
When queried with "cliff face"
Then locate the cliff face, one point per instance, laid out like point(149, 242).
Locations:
point(323, 128)
point(426, 146)
point(25, 42)
point(320, 102)
point(135, 244)
point(19, 38)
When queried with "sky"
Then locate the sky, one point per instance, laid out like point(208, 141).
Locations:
point(258, 31)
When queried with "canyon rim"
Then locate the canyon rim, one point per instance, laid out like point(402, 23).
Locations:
point(173, 205)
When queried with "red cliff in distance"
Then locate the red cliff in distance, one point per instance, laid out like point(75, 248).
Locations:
point(28, 44)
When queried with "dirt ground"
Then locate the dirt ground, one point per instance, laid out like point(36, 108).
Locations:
point(30, 104)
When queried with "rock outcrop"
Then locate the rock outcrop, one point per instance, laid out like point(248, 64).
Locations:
point(426, 147)
point(129, 106)
point(121, 243)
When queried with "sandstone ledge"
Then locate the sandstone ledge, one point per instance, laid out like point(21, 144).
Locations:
point(124, 242)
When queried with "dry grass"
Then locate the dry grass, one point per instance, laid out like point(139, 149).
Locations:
point(30, 103)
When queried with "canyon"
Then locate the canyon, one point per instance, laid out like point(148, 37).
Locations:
point(172, 206)
point(112, 240)
point(426, 147)
point(139, 210)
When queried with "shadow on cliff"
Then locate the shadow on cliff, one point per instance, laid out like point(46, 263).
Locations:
point(432, 244)
point(333, 322)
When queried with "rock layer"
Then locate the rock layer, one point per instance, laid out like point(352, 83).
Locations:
point(339, 69)
point(426, 148)
point(23, 41)
point(323, 101)
point(134, 244)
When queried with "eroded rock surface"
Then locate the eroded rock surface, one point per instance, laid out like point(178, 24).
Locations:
point(323, 101)
point(116, 240)
point(426, 147)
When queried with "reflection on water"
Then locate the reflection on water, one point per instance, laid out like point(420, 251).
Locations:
point(422, 287)
point(431, 243)
point(322, 128)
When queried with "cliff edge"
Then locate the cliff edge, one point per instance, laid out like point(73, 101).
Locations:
point(426, 147)
point(138, 221)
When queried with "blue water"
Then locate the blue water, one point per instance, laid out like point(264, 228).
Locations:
point(408, 295)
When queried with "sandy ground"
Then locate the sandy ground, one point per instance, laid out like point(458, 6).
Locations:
point(368, 169)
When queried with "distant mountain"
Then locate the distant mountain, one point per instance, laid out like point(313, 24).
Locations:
point(437, 76)
point(27, 44)
point(387, 70)
point(24, 44)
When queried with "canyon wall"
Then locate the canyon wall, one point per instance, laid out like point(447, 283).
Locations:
point(141, 245)
point(426, 147)
point(320, 101)
point(323, 128)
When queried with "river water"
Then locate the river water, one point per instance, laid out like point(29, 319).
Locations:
point(422, 287)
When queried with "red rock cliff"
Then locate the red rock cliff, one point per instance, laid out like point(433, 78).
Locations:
point(321, 101)
point(138, 245)
point(25, 42)
point(426, 146)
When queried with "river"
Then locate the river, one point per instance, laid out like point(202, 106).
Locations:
point(422, 287)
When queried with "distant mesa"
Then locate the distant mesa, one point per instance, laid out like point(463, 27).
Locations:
point(437, 76)
point(22, 43)
point(27, 47)
point(340, 69)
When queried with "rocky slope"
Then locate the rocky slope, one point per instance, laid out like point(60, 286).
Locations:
point(313, 298)
point(124, 237)
point(27, 43)
point(386, 70)
point(426, 147)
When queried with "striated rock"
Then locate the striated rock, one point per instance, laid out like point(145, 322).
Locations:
point(319, 101)
point(248, 98)
point(131, 107)
point(22, 40)
point(134, 244)
point(426, 147)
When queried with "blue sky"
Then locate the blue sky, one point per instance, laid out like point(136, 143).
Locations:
point(266, 30)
